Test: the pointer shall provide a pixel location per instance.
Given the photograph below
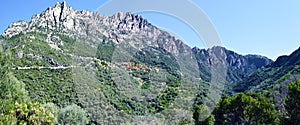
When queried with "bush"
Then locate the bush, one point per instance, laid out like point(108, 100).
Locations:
point(202, 115)
point(27, 113)
point(51, 107)
point(72, 115)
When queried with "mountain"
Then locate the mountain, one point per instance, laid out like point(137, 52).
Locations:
point(238, 66)
point(273, 78)
point(285, 67)
point(119, 68)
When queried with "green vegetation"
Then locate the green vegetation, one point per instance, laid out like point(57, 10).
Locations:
point(105, 50)
point(69, 43)
point(157, 57)
point(110, 88)
point(146, 85)
point(15, 105)
point(113, 89)
point(49, 85)
point(27, 113)
point(202, 115)
point(32, 50)
point(72, 115)
point(282, 70)
point(250, 109)
point(293, 102)
point(12, 90)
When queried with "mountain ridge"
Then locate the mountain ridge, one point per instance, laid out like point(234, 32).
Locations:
point(118, 28)
point(273, 79)
point(275, 71)
point(119, 67)
point(56, 16)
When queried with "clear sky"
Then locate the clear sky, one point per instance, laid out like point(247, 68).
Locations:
point(267, 27)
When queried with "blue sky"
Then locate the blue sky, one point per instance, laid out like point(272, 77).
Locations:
point(270, 28)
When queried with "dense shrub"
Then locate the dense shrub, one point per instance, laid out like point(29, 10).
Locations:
point(72, 115)
point(27, 113)
point(202, 115)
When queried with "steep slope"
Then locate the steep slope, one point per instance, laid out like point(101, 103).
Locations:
point(279, 71)
point(238, 66)
point(273, 79)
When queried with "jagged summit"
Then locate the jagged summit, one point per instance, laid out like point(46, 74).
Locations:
point(120, 27)
point(58, 17)
point(63, 18)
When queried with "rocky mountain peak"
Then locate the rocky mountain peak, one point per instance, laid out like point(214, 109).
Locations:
point(15, 28)
point(48, 19)
point(59, 17)
point(61, 5)
point(130, 22)
point(64, 19)
point(120, 27)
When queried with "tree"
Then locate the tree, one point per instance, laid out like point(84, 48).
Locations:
point(247, 109)
point(202, 115)
point(292, 102)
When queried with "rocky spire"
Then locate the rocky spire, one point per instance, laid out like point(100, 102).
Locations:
point(58, 16)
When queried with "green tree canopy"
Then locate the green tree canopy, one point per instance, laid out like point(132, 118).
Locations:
point(247, 109)
point(202, 115)
point(292, 102)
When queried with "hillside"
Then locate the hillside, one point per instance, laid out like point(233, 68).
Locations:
point(273, 78)
point(284, 68)
point(238, 66)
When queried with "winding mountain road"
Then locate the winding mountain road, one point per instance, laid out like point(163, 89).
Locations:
point(35, 67)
